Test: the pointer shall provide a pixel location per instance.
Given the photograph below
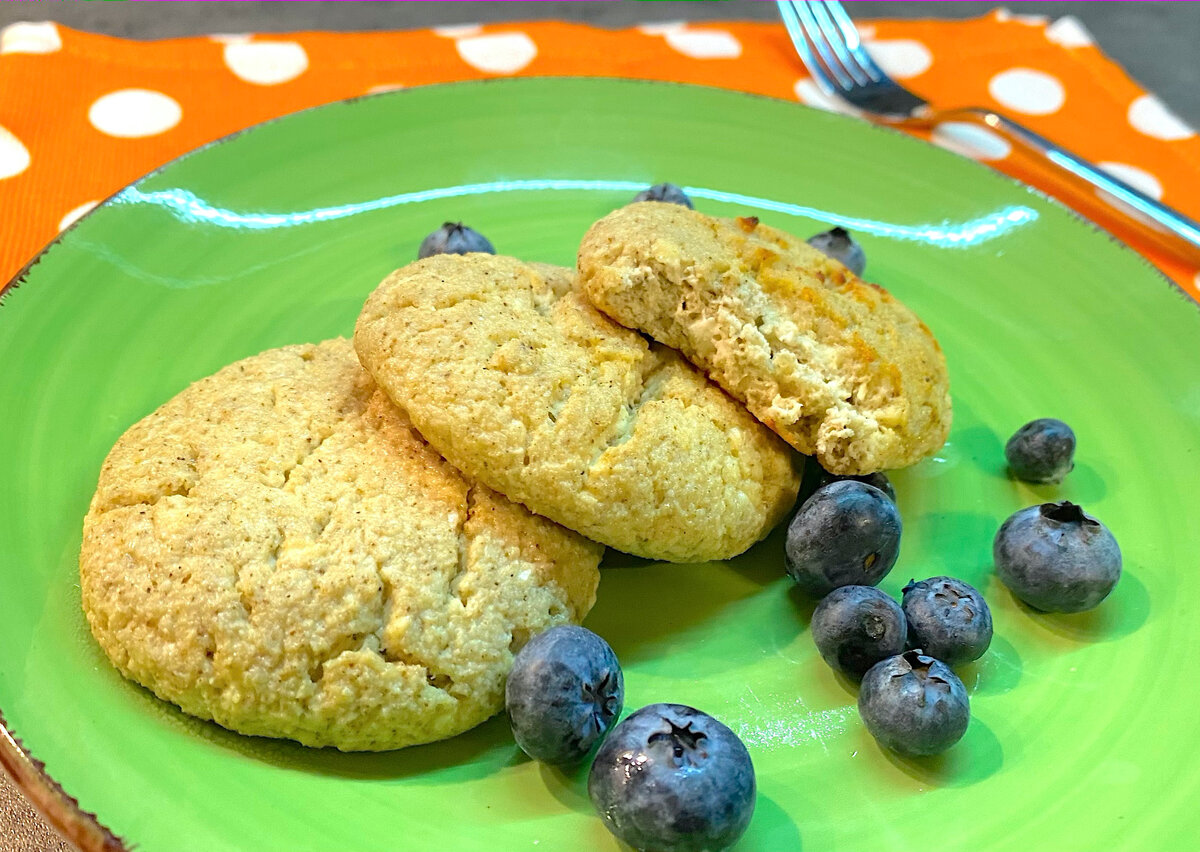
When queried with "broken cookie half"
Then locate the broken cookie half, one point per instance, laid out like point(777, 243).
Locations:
point(836, 366)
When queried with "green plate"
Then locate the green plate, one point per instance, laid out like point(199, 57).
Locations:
point(1083, 727)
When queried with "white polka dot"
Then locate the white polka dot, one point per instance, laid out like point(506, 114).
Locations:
point(231, 38)
point(74, 215)
point(865, 30)
point(900, 58)
point(266, 63)
point(1003, 14)
point(130, 113)
point(499, 53)
point(809, 93)
point(1149, 115)
point(30, 37)
point(661, 29)
point(14, 157)
point(1196, 279)
point(385, 87)
point(1130, 211)
point(1028, 91)
point(705, 44)
point(1068, 32)
point(458, 30)
point(1139, 179)
point(971, 140)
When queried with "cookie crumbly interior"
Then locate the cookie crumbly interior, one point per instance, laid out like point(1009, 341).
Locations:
point(835, 365)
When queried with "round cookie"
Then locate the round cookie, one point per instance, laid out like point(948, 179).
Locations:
point(517, 381)
point(835, 365)
point(278, 550)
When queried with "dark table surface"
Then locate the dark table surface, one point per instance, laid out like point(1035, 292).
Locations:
point(1154, 42)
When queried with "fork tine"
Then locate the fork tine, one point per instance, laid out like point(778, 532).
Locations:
point(834, 36)
point(820, 73)
point(835, 78)
point(861, 58)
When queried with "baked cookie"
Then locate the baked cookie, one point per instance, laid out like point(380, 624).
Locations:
point(277, 550)
point(521, 384)
point(835, 365)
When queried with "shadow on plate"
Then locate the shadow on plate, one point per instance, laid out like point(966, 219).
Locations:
point(771, 829)
point(977, 756)
point(1123, 612)
point(477, 753)
point(996, 672)
point(978, 442)
point(744, 608)
point(569, 785)
point(1083, 486)
point(953, 544)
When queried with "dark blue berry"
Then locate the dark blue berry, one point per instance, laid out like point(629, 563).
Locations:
point(454, 238)
point(879, 480)
point(1041, 451)
point(667, 192)
point(857, 626)
point(947, 619)
point(564, 692)
point(846, 534)
point(673, 779)
point(1057, 558)
point(838, 244)
point(914, 704)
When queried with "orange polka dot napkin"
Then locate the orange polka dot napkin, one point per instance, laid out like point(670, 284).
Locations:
point(82, 115)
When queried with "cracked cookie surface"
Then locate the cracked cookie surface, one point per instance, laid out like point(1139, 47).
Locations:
point(517, 381)
point(836, 366)
point(277, 549)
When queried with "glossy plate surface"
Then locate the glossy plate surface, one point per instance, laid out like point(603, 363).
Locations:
point(1083, 730)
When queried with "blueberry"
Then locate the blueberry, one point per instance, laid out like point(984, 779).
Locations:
point(848, 533)
point(1057, 558)
point(667, 192)
point(857, 626)
point(564, 692)
point(838, 244)
point(947, 619)
point(879, 480)
point(455, 238)
point(1041, 451)
point(914, 704)
point(673, 779)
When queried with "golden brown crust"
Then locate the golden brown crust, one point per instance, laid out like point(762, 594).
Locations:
point(835, 365)
point(278, 550)
point(516, 380)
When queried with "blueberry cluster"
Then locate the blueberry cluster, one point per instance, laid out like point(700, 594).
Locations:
point(845, 538)
point(842, 542)
point(668, 777)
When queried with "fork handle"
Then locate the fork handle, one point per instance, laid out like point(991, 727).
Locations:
point(1176, 231)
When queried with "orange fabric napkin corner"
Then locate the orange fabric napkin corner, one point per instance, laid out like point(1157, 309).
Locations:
point(82, 115)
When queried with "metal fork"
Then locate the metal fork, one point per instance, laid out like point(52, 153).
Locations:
point(830, 46)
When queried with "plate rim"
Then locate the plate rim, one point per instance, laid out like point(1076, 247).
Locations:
point(83, 829)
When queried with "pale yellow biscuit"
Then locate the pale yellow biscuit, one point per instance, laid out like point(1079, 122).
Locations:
point(517, 381)
point(277, 550)
point(837, 366)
